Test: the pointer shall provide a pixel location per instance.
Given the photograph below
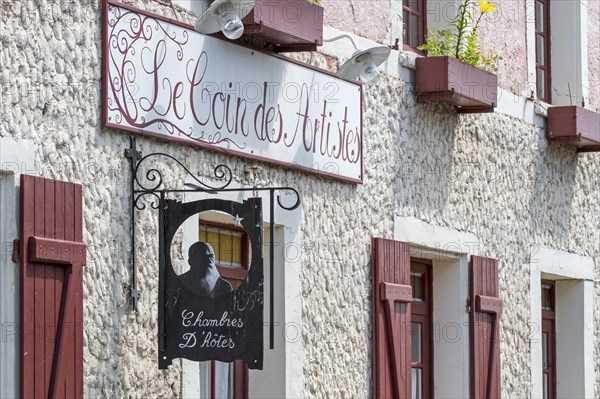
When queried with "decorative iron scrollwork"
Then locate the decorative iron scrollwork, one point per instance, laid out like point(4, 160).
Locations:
point(221, 173)
point(148, 185)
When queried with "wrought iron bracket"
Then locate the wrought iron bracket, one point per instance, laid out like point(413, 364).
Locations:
point(147, 181)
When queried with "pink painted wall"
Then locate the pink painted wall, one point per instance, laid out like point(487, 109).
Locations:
point(503, 32)
point(594, 53)
point(370, 19)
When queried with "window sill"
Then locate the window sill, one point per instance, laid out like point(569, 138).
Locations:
point(541, 108)
point(408, 59)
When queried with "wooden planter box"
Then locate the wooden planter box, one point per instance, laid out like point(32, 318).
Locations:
point(292, 25)
point(447, 79)
point(574, 125)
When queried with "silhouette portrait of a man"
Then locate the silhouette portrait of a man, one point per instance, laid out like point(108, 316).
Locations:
point(203, 276)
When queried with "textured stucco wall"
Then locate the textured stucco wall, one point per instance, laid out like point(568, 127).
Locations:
point(597, 325)
point(365, 18)
point(489, 174)
point(50, 62)
point(503, 32)
point(593, 9)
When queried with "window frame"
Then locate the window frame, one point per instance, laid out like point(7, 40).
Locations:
point(549, 327)
point(226, 271)
point(16, 157)
point(238, 370)
point(406, 25)
point(544, 66)
point(422, 312)
point(279, 376)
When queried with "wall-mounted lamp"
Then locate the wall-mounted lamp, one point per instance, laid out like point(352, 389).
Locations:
point(225, 16)
point(363, 63)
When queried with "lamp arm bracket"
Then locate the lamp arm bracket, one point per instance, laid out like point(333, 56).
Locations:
point(343, 35)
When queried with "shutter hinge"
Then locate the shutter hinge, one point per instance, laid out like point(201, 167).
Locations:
point(468, 309)
point(16, 250)
point(135, 294)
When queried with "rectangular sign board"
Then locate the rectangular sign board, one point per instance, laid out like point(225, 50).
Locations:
point(163, 79)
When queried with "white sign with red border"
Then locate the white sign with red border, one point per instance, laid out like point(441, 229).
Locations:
point(161, 78)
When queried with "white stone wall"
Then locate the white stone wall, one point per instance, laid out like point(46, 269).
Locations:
point(597, 325)
point(490, 174)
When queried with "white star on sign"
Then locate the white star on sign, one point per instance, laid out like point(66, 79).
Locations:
point(238, 220)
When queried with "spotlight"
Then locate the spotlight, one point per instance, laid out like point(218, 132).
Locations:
point(225, 16)
point(363, 63)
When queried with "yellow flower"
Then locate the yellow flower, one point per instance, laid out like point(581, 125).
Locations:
point(486, 7)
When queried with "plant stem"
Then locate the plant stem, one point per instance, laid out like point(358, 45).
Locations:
point(477, 23)
point(460, 25)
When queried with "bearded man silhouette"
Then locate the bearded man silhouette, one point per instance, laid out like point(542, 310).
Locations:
point(203, 276)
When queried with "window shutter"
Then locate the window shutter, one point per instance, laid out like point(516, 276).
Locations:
point(486, 307)
point(52, 258)
point(392, 295)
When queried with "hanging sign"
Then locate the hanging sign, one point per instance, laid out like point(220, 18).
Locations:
point(161, 78)
point(200, 316)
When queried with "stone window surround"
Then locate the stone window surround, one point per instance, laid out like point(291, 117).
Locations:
point(450, 251)
point(568, 71)
point(283, 372)
point(574, 323)
point(16, 157)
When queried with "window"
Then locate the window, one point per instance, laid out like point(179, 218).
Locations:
point(421, 329)
point(9, 278)
point(557, 42)
point(219, 379)
point(548, 341)
point(407, 279)
point(562, 309)
point(413, 14)
point(16, 157)
point(542, 49)
point(281, 376)
point(231, 250)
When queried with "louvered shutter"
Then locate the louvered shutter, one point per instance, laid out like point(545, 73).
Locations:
point(52, 258)
point(392, 295)
point(486, 307)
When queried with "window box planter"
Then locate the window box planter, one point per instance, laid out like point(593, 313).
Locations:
point(574, 125)
point(470, 89)
point(292, 25)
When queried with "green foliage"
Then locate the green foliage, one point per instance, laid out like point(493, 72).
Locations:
point(460, 42)
point(439, 43)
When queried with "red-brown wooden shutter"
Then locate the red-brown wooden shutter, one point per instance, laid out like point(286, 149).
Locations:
point(486, 307)
point(52, 258)
point(392, 295)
